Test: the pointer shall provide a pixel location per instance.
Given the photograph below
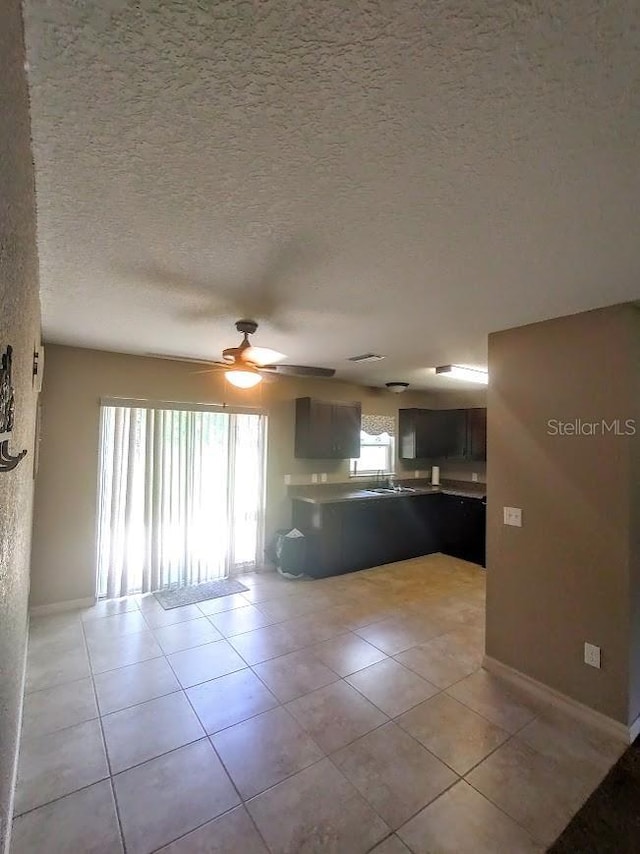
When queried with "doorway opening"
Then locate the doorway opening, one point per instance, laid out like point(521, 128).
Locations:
point(181, 495)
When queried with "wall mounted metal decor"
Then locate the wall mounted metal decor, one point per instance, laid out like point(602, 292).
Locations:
point(7, 413)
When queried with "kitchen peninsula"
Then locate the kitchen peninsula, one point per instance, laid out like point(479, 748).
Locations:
point(352, 527)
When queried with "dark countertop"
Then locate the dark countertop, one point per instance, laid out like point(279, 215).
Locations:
point(335, 493)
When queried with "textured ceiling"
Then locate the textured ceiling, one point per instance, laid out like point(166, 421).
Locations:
point(402, 177)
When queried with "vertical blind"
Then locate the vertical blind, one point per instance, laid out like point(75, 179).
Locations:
point(181, 496)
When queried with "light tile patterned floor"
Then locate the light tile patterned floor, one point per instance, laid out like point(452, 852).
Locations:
point(342, 715)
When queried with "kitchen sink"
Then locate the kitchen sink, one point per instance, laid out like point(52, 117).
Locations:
point(389, 490)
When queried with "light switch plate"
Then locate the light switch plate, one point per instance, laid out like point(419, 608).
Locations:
point(287, 479)
point(513, 516)
point(323, 477)
point(474, 476)
point(592, 655)
point(314, 478)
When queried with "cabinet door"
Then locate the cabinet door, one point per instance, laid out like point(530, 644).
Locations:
point(433, 433)
point(395, 525)
point(329, 542)
point(362, 536)
point(477, 434)
point(463, 528)
point(426, 523)
point(320, 429)
point(407, 433)
point(326, 430)
point(346, 419)
point(453, 526)
point(457, 431)
point(477, 532)
point(313, 429)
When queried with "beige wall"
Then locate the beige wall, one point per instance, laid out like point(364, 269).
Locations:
point(634, 537)
point(19, 327)
point(564, 577)
point(76, 379)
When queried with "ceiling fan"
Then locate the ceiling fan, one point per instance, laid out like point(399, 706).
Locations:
point(244, 365)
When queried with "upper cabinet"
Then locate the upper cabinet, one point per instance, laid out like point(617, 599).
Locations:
point(327, 430)
point(477, 433)
point(443, 433)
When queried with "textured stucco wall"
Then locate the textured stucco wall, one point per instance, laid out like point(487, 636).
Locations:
point(19, 326)
point(64, 565)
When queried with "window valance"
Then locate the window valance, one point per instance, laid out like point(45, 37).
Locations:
point(374, 425)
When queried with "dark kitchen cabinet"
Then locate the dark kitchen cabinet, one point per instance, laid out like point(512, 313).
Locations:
point(327, 430)
point(345, 536)
point(423, 432)
point(351, 535)
point(322, 526)
point(463, 527)
point(443, 434)
point(477, 433)
point(458, 434)
point(363, 540)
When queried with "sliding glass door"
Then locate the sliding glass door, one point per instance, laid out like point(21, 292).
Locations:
point(181, 496)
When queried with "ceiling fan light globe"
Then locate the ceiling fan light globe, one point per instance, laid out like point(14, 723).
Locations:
point(243, 378)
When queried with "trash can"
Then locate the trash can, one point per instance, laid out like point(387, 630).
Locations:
point(291, 553)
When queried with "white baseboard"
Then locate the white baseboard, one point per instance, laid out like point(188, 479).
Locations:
point(59, 607)
point(634, 729)
point(565, 704)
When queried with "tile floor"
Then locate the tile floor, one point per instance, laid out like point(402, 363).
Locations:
point(342, 715)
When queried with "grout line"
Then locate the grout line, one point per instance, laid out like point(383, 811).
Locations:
point(104, 747)
point(483, 716)
point(203, 824)
point(279, 704)
point(535, 839)
point(105, 779)
point(224, 767)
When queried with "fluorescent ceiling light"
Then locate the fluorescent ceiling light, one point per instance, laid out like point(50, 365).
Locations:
point(367, 357)
point(459, 372)
point(243, 377)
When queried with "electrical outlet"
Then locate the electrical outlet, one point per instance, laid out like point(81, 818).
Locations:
point(287, 479)
point(323, 477)
point(416, 474)
point(474, 476)
point(513, 516)
point(592, 655)
point(314, 478)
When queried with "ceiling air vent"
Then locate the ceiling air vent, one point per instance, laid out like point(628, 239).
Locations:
point(366, 357)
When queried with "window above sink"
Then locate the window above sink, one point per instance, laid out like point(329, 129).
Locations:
point(377, 447)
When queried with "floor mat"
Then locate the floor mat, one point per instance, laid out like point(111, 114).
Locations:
point(178, 596)
point(609, 821)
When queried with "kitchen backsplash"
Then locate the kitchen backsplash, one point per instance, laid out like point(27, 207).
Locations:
point(459, 471)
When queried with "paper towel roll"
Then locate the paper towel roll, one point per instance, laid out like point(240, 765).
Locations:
point(435, 475)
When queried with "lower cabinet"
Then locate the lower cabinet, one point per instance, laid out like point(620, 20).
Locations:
point(350, 535)
point(463, 527)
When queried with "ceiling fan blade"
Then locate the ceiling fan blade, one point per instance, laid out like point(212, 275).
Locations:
point(190, 359)
point(211, 370)
point(263, 355)
point(299, 370)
